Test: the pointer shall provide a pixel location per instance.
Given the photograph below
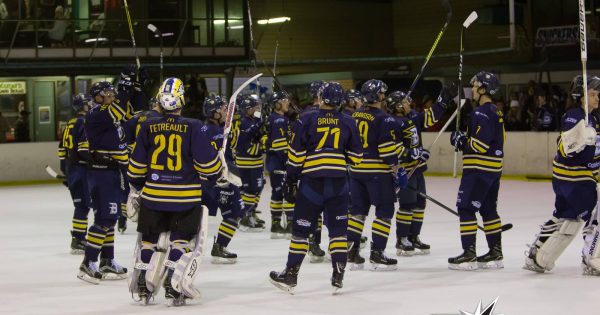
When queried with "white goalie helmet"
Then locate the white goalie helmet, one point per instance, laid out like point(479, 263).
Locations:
point(170, 94)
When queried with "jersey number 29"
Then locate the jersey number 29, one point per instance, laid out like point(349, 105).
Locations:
point(173, 146)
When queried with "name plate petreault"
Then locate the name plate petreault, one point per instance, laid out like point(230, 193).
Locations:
point(9, 88)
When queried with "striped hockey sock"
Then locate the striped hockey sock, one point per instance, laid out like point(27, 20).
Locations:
point(468, 228)
point(298, 249)
point(226, 231)
point(403, 222)
point(381, 231)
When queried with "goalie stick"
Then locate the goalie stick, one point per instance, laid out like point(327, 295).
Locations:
point(583, 48)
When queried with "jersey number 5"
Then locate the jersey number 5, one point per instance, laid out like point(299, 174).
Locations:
point(67, 138)
point(173, 146)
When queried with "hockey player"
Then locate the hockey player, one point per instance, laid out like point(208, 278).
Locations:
point(73, 155)
point(132, 126)
point(574, 184)
point(277, 149)
point(352, 101)
point(171, 154)
point(225, 197)
point(410, 124)
point(372, 181)
point(107, 155)
point(249, 159)
point(324, 143)
point(483, 150)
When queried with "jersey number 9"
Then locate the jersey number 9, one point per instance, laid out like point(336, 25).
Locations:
point(173, 146)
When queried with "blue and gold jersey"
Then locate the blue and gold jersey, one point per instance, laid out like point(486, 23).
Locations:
point(132, 126)
point(277, 137)
point(73, 146)
point(379, 141)
point(233, 136)
point(249, 150)
point(105, 132)
point(171, 155)
point(577, 166)
point(323, 144)
point(484, 149)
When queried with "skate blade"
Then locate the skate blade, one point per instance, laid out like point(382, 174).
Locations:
point(422, 251)
point(223, 261)
point(282, 287)
point(532, 266)
point(336, 290)
point(495, 264)
point(113, 276)
point(180, 301)
point(288, 236)
point(406, 253)
point(589, 271)
point(316, 259)
point(354, 266)
point(251, 229)
point(277, 236)
point(85, 277)
point(467, 266)
point(77, 251)
point(381, 267)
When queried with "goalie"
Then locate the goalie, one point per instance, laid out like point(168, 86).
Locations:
point(574, 184)
point(171, 155)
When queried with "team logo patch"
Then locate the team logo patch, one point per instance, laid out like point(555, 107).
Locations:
point(498, 152)
point(302, 222)
point(155, 176)
point(341, 217)
point(476, 204)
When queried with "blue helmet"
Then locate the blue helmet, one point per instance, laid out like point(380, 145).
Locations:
point(576, 88)
point(276, 97)
point(212, 104)
point(332, 94)
point(393, 99)
point(371, 90)
point(80, 100)
point(487, 80)
point(99, 88)
point(315, 87)
point(250, 101)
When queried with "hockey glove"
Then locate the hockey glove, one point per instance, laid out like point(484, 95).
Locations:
point(458, 139)
point(290, 189)
point(590, 136)
point(447, 94)
point(419, 154)
point(133, 204)
point(401, 179)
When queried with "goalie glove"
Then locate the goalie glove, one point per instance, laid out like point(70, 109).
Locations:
point(133, 204)
point(590, 136)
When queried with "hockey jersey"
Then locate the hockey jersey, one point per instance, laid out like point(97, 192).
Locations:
point(325, 142)
point(379, 142)
point(73, 147)
point(277, 141)
point(106, 135)
point(171, 155)
point(577, 166)
point(132, 126)
point(484, 148)
point(249, 150)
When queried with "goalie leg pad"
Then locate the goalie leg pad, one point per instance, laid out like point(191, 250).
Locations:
point(591, 248)
point(557, 242)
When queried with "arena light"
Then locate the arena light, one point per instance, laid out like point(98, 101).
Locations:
point(92, 40)
point(218, 22)
point(236, 27)
point(274, 20)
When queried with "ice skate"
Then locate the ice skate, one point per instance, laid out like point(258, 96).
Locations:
point(285, 280)
point(380, 262)
point(257, 218)
point(420, 247)
point(337, 277)
point(404, 247)
point(122, 224)
point(530, 263)
point(173, 297)
point(356, 261)
point(220, 255)
point(77, 246)
point(491, 260)
point(277, 231)
point(249, 224)
point(89, 272)
point(465, 261)
point(143, 293)
point(316, 254)
point(589, 270)
point(363, 241)
point(111, 270)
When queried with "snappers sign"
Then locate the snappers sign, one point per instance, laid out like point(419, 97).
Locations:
point(8, 88)
point(557, 36)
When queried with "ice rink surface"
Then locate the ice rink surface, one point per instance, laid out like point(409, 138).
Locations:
point(38, 275)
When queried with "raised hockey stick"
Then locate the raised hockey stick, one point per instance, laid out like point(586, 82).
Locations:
point(158, 33)
point(504, 227)
point(448, 8)
point(253, 51)
point(583, 47)
point(470, 19)
point(137, 59)
point(54, 174)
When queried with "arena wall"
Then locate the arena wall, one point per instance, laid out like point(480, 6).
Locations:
point(527, 154)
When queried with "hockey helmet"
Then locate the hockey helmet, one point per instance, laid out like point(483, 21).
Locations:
point(276, 97)
point(393, 99)
point(80, 100)
point(102, 88)
point(314, 87)
point(332, 94)
point(212, 104)
point(249, 102)
point(487, 80)
point(371, 90)
point(576, 89)
point(170, 95)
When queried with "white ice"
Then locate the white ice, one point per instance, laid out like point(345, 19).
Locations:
point(38, 275)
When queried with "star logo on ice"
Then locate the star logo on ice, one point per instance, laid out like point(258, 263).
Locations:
point(488, 310)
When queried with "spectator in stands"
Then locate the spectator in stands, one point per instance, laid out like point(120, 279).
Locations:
point(545, 115)
point(22, 124)
point(512, 120)
point(57, 33)
point(4, 127)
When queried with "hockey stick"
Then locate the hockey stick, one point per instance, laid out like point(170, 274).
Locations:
point(583, 47)
point(470, 19)
point(504, 227)
point(158, 33)
point(253, 51)
point(137, 59)
point(448, 8)
point(54, 174)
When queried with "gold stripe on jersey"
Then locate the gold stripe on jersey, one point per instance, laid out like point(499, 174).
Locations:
point(62, 153)
point(280, 144)
point(371, 166)
point(249, 162)
point(430, 118)
point(83, 145)
point(482, 162)
point(478, 145)
point(572, 173)
point(208, 169)
point(296, 158)
point(354, 157)
point(388, 149)
point(135, 171)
